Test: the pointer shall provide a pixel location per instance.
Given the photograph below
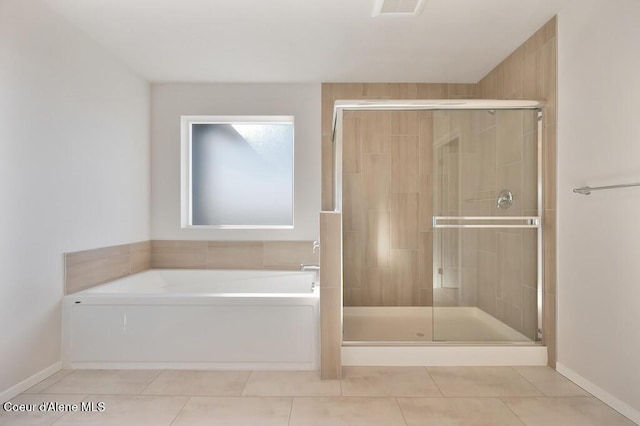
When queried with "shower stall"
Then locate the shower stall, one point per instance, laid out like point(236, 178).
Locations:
point(441, 203)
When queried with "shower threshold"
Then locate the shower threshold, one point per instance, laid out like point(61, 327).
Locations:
point(401, 336)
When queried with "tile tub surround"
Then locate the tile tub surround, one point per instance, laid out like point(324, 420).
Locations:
point(89, 268)
point(365, 396)
point(283, 255)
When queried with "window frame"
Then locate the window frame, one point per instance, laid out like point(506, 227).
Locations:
point(186, 201)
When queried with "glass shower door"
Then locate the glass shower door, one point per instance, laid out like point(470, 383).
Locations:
point(486, 222)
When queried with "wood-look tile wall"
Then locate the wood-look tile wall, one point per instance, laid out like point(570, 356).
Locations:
point(503, 157)
point(479, 153)
point(397, 194)
point(530, 72)
point(353, 91)
point(455, 176)
point(330, 294)
point(89, 268)
point(283, 255)
point(386, 187)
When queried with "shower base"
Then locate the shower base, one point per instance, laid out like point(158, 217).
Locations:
point(404, 336)
point(426, 324)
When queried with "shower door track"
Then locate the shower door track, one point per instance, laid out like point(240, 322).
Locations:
point(434, 343)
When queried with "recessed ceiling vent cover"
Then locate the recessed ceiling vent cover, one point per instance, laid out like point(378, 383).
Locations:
point(398, 7)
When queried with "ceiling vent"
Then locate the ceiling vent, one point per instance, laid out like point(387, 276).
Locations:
point(398, 7)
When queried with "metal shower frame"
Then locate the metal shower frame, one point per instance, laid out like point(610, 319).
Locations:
point(454, 104)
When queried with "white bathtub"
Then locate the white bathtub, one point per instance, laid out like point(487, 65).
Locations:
point(195, 319)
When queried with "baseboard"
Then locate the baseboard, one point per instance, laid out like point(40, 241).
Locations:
point(244, 366)
point(604, 396)
point(29, 382)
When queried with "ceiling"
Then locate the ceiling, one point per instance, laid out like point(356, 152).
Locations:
point(456, 41)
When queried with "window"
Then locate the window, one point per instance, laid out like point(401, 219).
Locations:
point(237, 172)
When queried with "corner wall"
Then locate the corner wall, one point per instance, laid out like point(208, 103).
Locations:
point(74, 173)
point(599, 234)
point(530, 73)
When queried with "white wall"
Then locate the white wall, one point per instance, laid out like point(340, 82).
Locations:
point(599, 234)
point(74, 171)
point(170, 101)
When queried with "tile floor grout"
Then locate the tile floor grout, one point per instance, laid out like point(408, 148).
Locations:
point(394, 381)
point(319, 396)
point(151, 381)
point(526, 380)
point(553, 396)
point(56, 381)
point(511, 410)
point(66, 414)
point(434, 381)
point(404, 418)
point(290, 412)
point(180, 411)
point(244, 386)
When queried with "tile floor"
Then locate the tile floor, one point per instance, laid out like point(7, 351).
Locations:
point(366, 396)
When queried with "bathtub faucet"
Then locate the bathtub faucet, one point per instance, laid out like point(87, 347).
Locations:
point(315, 268)
point(304, 267)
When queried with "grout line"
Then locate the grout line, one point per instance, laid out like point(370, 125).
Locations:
point(452, 397)
point(401, 412)
point(173, 395)
point(68, 413)
point(434, 382)
point(150, 382)
point(245, 382)
point(129, 249)
point(108, 394)
point(42, 390)
point(180, 410)
point(128, 394)
point(510, 409)
point(58, 420)
point(347, 397)
point(529, 381)
point(299, 396)
point(65, 273)
point(290, 412)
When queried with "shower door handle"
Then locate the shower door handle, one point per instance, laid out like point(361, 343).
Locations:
point(440, 222)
